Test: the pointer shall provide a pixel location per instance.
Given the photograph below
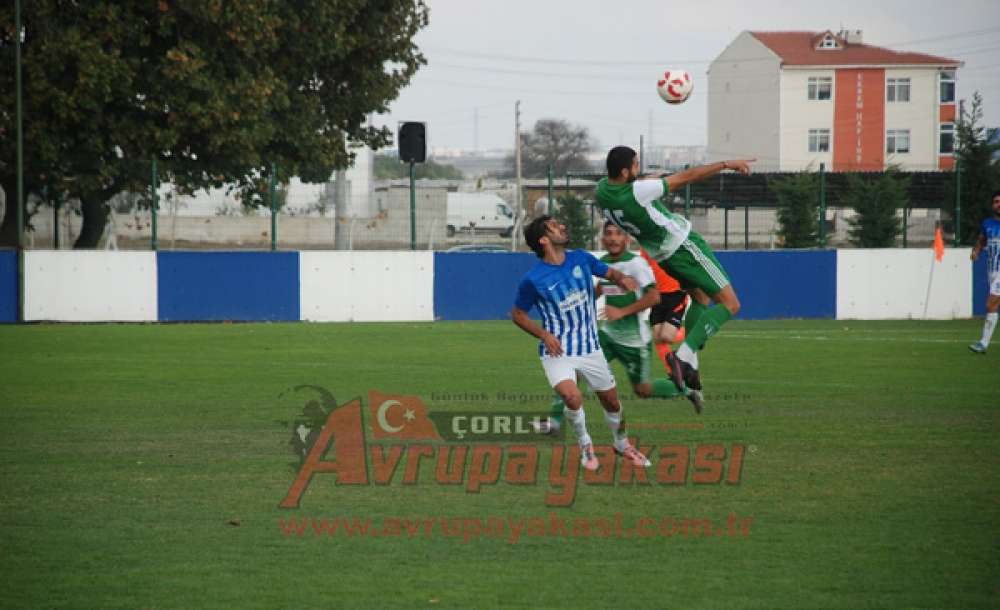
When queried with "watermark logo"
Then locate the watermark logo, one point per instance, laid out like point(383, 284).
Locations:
point(475, 450)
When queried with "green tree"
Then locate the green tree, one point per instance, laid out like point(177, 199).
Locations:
point(798, 222)
point(573, 212)
point(980, 172)
point(555, 142)
point(388, 167)
point(876, 200)
point(215, 91)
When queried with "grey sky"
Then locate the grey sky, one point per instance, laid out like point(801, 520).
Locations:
point(595, 63)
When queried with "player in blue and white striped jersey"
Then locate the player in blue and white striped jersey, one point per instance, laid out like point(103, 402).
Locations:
point(989, 240)
point(561, 287)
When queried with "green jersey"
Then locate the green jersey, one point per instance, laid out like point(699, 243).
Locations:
point(633, 330)
point(636, 208)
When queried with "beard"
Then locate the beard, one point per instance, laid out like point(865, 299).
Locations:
point(632, 177)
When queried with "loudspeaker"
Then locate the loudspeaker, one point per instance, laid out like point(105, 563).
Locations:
point(412, 143)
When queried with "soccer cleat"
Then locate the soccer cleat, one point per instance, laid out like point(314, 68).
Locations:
point(545, 426)
point(588, 458)
point(692, 378)
point(632, 454)
point(696, 399)
point(978, 347)
point(674, 367)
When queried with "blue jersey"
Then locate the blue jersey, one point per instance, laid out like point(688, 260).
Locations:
point(564, 295)
point(991, 229)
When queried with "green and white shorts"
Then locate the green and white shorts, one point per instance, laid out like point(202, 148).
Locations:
point(635, 359)
point(694, 265)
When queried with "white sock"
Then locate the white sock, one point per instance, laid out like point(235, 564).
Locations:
point(686, 354)
point(614, 419)
point(579, 422)
point(988, 326)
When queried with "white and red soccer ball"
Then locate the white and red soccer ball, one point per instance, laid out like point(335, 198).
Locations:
point(675, 86)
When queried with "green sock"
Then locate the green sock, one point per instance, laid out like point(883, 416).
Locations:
point(557, 409)
point(695, 311)
point(664, 388)
point(706, 325)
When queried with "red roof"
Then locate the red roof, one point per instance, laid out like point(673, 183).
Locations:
point(799, 49)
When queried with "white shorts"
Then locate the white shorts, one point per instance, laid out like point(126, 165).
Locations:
point(593, 368)
point(995, 283)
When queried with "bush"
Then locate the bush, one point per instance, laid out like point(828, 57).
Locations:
point(876, 199)
point(797, 213)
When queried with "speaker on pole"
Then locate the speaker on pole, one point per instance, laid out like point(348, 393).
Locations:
point(412, 142)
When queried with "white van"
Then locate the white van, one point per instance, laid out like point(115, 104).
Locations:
point(479, 212)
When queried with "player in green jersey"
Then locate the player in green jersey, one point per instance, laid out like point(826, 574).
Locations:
point(635, 206)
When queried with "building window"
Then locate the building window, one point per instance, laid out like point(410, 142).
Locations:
point(828, 43)
point(946, 140)
point(947, 85)
point(820, 87)
point(897, 90)
point(819, 140)
point(897, 141)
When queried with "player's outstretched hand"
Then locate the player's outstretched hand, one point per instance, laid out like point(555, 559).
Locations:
point(612, 313)
point(628, 283)
point(740, 166)
point(552, 344)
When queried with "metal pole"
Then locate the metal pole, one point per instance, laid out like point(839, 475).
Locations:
point(746, 227)
point(822, 205)
point(19, 202)
point(413, 206)
point(906, 214)
point(687, 196)
point(958, 202)
point(155, 206)
point(55, 221)
point(274, 207)
point(549, 212)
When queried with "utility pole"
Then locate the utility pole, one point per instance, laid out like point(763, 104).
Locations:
point(517, 168)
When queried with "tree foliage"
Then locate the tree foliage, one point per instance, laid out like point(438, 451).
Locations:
point(389, 167)
point(573, 212)
point(797, 214)
point(876, 200)
point(555, 142)
point(980, 172)
point(215, 91)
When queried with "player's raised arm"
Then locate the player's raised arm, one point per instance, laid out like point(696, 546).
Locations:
point(675, 181)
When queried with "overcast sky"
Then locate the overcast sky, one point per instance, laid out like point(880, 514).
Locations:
point(596, 62)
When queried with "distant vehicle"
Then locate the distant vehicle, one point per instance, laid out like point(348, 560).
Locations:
point(479, 213)
point(477, 248)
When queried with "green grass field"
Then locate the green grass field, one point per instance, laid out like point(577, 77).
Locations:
point(142, 467)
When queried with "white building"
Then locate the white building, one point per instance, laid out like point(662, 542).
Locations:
point(794, 100)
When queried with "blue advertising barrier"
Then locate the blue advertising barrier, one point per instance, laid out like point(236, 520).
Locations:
point(244, 286)
point(979, 286)
point(8, 285)
point(770, 284)
point(477, 285)
point(783, 283)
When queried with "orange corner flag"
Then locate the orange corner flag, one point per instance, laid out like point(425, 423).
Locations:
point(938, 244)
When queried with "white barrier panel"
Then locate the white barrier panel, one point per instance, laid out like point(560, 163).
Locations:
point(895, 284)
point(366, 286)
point(90, 286)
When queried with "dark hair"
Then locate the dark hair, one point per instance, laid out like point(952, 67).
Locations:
point(995, 195)
point(619, 158)
point(608, 223)
point(534, 232)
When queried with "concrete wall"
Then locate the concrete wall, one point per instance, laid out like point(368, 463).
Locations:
point(743, 104)
point(799, 114)
point(919, 115)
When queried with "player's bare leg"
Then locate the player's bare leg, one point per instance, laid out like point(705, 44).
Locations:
point(573, 400)
point(614, 418)
point(992, 307)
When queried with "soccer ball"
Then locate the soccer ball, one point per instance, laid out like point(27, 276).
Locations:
point(675, 86)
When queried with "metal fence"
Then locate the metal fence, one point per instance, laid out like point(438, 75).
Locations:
point(730, 211)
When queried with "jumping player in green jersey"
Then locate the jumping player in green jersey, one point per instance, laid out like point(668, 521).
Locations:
point(635, 206)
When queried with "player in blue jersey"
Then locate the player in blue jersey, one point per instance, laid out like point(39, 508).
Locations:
point(989, 240)
point(561, 287)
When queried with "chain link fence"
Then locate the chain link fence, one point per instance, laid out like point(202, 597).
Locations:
point(354, 212)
